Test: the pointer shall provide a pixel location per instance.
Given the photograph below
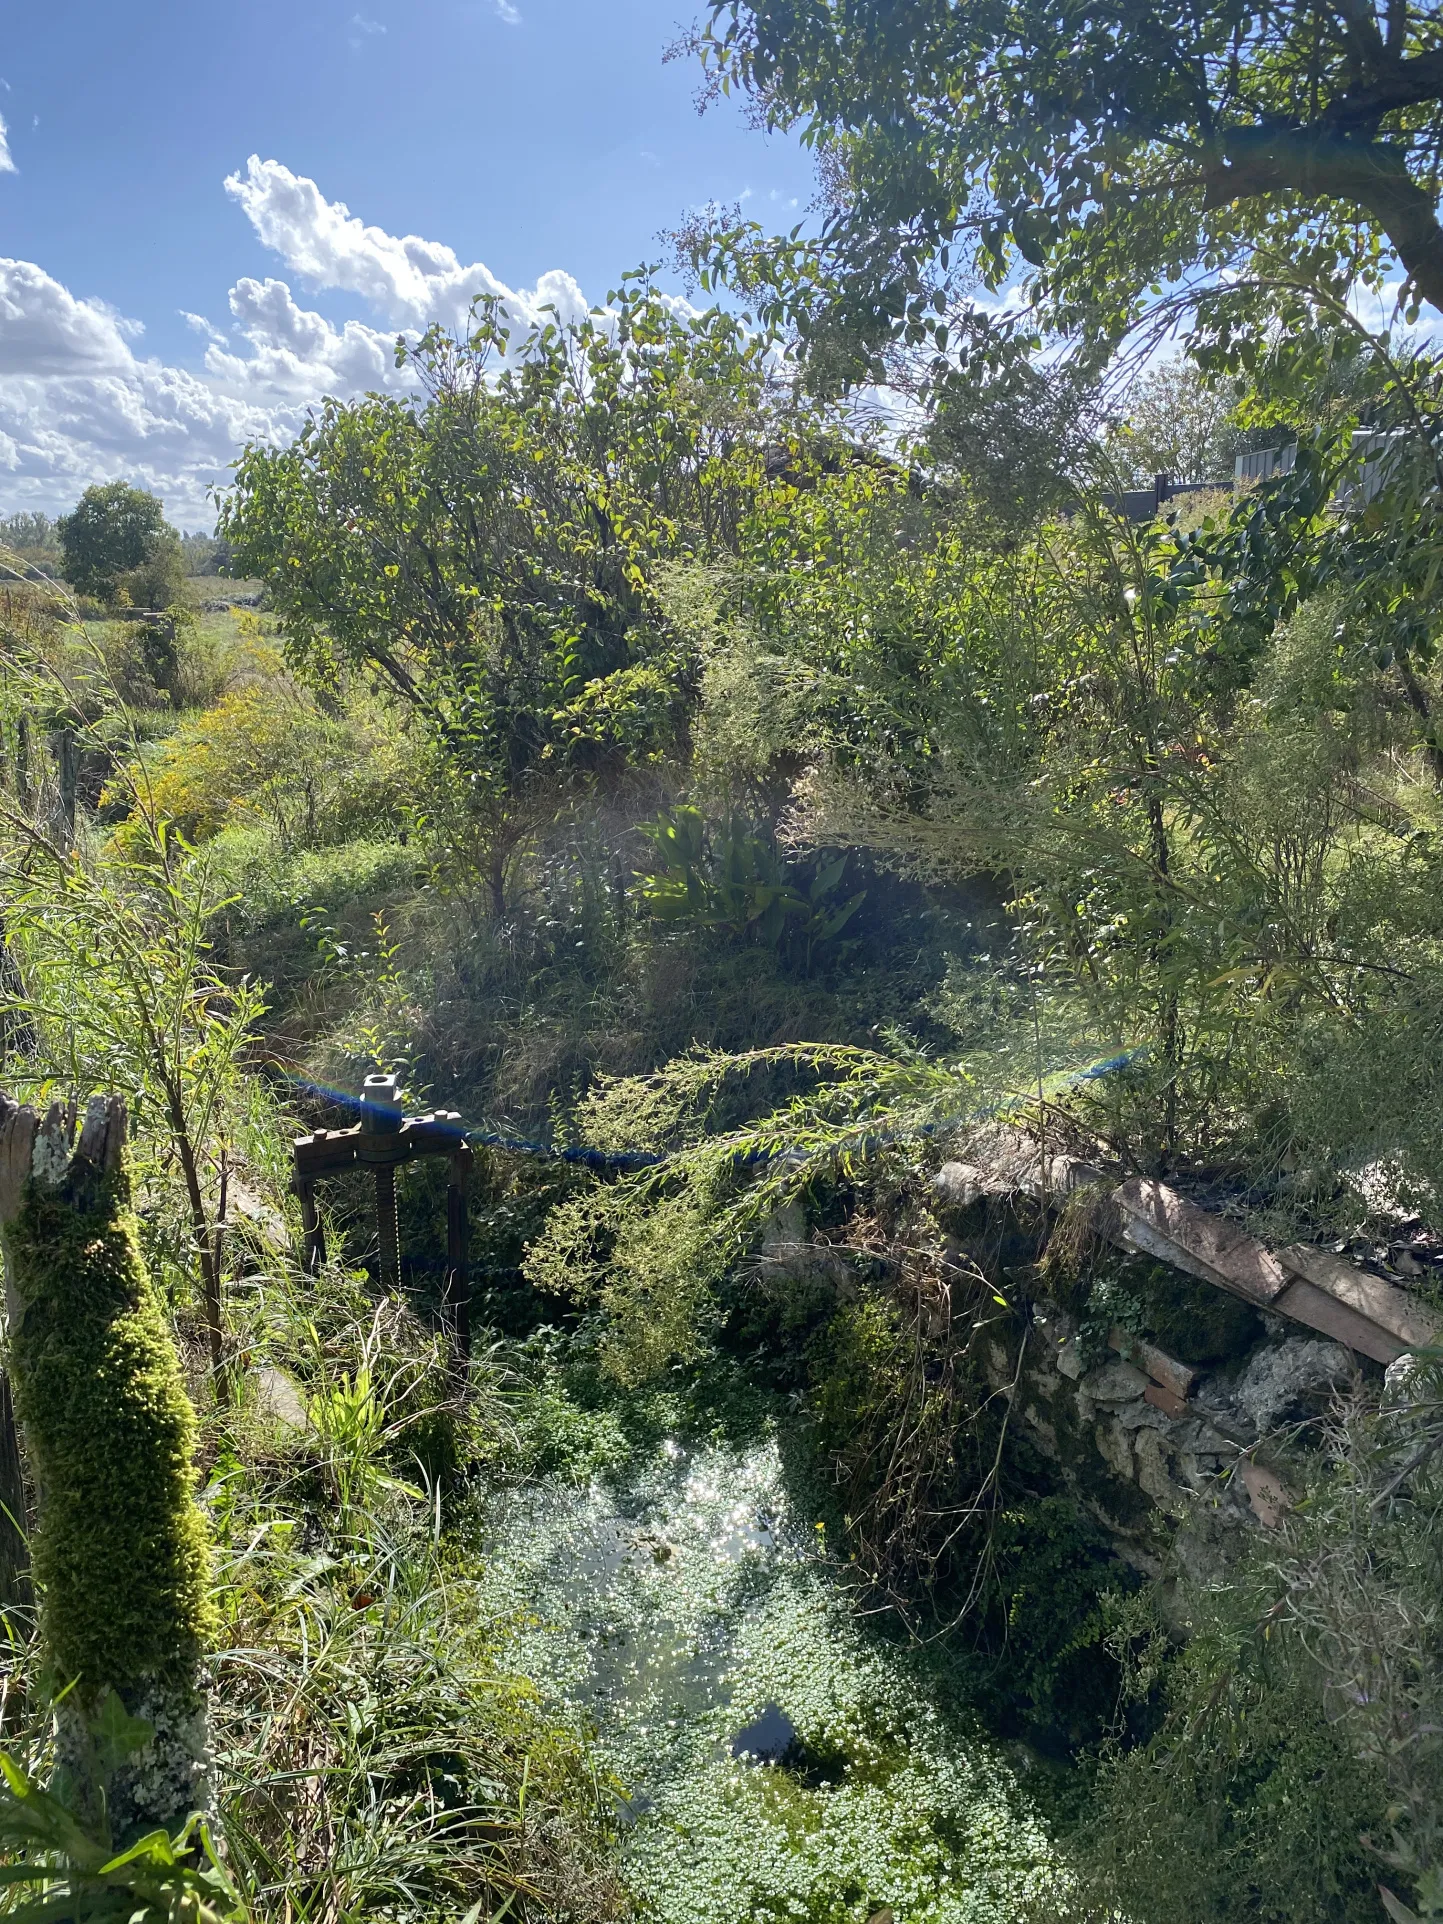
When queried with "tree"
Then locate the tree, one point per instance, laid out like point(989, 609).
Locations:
point(491, 549)
point(30, 537)
point(1174, 421)
point(1114, 147)
point(204, 554)
point(120, 1551)
point(117, 541)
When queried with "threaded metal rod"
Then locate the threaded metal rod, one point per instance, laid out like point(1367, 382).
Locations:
point(388, 1229)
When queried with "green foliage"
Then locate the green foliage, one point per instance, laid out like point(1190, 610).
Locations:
point(379, 1752)
point(1046, 1624)
point(117, 546)
point(120, 1553)
point(1112, 154)
point(159, 1880)
point(1190, 1320)
point(1170, 749)
point(265, 749)
point(119, 988)
point(490, 551)
point(1248, 1802)
point(1299, 1760)
point(31, 540)
point(735, 881)
point(205, 554)
point(1196, 767)
point(651, 1248)
point(1175, 421)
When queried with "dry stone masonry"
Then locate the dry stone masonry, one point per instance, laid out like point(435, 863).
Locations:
point(1165, 1452)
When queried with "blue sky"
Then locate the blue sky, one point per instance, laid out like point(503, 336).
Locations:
point(527, 137)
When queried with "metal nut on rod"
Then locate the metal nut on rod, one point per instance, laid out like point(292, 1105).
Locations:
point(381, 1113)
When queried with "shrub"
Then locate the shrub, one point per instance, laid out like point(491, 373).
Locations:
point(266, 751)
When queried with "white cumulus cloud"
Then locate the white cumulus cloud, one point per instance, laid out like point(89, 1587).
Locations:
point(7, 164)
point(79, 403)
point(297, 352)
point(410, 280)
point(44, 329)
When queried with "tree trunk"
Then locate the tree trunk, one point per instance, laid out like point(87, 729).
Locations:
point(1418, 701)
point(16, 1588)
point(119, 1544)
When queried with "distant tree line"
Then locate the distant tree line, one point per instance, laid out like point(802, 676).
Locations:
point(115, 547)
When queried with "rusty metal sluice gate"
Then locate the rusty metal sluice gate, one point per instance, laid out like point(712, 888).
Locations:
point(382, 1141)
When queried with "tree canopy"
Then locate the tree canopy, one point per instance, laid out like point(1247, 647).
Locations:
point(117, 538)
point(1113, 147)
point(492, 548)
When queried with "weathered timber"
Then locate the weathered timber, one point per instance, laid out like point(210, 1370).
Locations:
point(1311, 1286)
point(1177, 1378)
point(1305, 1303)
point(1163, 1223)
point(1166, 1400)
point(1413, 1323)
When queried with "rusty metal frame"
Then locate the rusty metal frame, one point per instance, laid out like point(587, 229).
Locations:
point(382, 1141)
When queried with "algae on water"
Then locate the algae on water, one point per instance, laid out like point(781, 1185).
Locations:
point(675, 1612)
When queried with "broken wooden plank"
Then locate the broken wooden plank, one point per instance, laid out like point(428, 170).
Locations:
point(1166, 1400)
point(1174, 1376)
point(1165, 1224)
point(1304, 1302)
point(1413, 1323)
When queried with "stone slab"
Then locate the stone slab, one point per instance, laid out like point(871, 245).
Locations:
point(959, 1184)
point(1115, 1383)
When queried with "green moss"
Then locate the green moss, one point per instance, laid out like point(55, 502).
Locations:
point(120, 1550)
point(1192, 1320)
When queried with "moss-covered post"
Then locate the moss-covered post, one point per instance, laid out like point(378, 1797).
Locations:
point(119, 1547)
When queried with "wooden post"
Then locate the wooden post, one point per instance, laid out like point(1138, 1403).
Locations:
point(15, 1585)
point(119, 1546)
point(456, 1293)
point(67, 769)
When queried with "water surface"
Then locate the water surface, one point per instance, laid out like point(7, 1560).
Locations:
point(778, 1759)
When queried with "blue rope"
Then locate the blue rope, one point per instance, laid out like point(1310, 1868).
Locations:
point(625, 1160)
point(585, 1158)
